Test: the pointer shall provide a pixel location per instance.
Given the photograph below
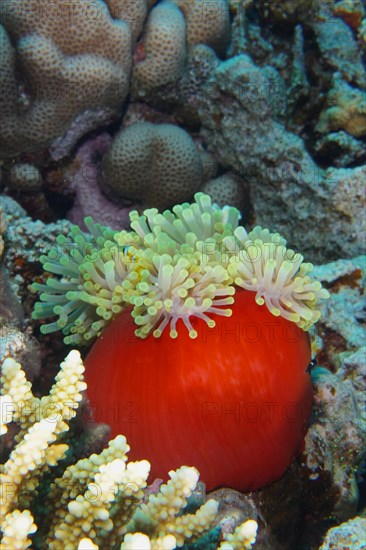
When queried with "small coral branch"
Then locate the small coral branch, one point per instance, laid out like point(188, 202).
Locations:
point(40, 422)
point(174, 265)
point(243, 537)
point(59, 406)
point(16, 527)
point(160, 513)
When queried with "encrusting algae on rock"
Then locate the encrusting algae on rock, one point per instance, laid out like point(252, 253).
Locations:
point(99, 502)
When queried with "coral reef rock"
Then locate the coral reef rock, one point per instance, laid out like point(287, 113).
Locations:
point(351, 534)
point(334, 446)
point(322, 211)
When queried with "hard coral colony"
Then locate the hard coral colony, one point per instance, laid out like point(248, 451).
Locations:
point(202, 350)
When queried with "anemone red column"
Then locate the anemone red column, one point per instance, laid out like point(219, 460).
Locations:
point(234, 402)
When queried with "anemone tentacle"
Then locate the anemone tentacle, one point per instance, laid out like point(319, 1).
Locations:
point(89, 293)
point(276, 274)
point(179, 288)
point(171, 266)
point(202, 219)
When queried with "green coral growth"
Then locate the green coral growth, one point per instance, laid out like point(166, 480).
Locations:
point(173, 265)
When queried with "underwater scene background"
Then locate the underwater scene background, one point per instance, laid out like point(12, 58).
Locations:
point(182, 273)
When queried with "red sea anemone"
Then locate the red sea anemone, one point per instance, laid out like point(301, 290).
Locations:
point(202, 351)
point(234, 401)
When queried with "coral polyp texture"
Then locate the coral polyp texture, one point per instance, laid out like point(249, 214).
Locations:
point(97, 502)
point(60, 80)
point(172, 266)
point(71, 80)
point(164, 49)
point(154, 164)
point(207, 23)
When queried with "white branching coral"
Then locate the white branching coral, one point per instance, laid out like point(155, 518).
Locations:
point(260, 262)
point(16, 528)
point(106, 504)
point(140, 541)
point(160, 515)
point(57, 408)
point(40, 421)
point(244, 536)
point(100, 494)
point(6, 412)
point(173, 266)
point(32, 457)
point(98, 502)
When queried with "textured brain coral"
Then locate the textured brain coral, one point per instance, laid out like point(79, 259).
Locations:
point(179, 327)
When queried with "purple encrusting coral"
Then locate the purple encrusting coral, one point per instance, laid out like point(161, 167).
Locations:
point(85, 182)
point(265, 103)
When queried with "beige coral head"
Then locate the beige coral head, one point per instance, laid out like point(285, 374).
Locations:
point(132, 12)
point(70, 80)
point(207, 23)
point(161, 53)
point(345, 109)
point(226, 189)
point(156, 164)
